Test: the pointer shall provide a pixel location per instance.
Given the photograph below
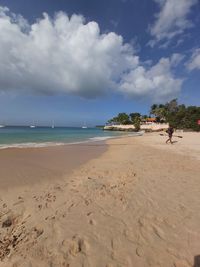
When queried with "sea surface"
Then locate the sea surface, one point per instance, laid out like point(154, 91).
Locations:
point(44, 136)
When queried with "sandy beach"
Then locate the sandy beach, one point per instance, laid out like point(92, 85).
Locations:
point(132, 202)
point(28, 166)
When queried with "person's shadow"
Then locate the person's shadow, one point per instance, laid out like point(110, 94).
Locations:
point(197, 261)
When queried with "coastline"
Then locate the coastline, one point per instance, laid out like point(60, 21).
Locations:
point(134, 204)
point(27, 166)
point(152, 127)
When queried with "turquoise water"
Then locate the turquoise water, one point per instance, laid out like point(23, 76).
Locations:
point(43, 136)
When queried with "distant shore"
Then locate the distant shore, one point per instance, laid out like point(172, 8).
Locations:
point(144, 127)
point(132, 201)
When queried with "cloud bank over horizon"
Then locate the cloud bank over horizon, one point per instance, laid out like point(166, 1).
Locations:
point(69, 55)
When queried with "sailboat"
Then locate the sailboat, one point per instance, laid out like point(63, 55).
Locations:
point(84, 126)
point(52, 126)
point(2, 125)
point(32, 125)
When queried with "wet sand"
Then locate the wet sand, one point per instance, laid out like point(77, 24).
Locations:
point(26, 166)
point(136, 204)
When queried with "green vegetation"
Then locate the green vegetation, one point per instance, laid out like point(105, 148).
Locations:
point(136, 120)
point(122, 118)
point(178, 116)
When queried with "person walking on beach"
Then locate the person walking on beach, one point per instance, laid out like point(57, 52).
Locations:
point(170, 132)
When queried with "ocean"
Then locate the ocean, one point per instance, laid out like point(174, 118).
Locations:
point(44, 136)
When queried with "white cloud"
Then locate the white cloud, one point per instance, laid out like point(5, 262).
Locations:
point(60, 55)
point(194, 62)
point(67, 55)
point(157, 82)
point(172, 20)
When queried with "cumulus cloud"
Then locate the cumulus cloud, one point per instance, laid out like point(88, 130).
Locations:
point(194, 62)
point(172, 20)
point(67, 55)
point(60, 55)
point(158, 82)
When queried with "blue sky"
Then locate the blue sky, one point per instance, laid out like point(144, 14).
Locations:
point(87, 60)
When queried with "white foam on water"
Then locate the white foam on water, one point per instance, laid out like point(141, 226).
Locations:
point(101, 138)
point(30, 145)
point(49, 144)
point(39, 145)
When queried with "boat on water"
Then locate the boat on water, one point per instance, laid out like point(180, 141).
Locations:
point(2, 126)
point(52, 126)
point(84, 126)
point(32, 126)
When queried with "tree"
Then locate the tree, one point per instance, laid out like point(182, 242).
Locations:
point(144, 117)
point(136, 123)
point(133, 116)
point(182, 117)
point(179, 116)
point(159, 111)
point(172, 106)
point(136, 119)
point(121, 118)
point(153, 109)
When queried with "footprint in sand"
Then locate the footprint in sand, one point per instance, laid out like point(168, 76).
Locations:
point(58, 188)
point(159, 232)
point(7, 223)
point(92, 222)
point(71, 206)
point(78, 245)
point(88, 202)
point(139, 252)
point(38, 231)
point(18, 202)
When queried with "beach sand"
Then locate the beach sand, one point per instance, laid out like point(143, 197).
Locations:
point(28, 166)
point(133, 202)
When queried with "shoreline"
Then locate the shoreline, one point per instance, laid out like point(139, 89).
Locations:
point(94, 139)
point(25, 166)
point(134, 204)
point(32, 165)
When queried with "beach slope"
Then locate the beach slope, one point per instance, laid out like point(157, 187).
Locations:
point(136, 204)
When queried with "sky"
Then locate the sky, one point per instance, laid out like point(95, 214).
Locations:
point(84, 61)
